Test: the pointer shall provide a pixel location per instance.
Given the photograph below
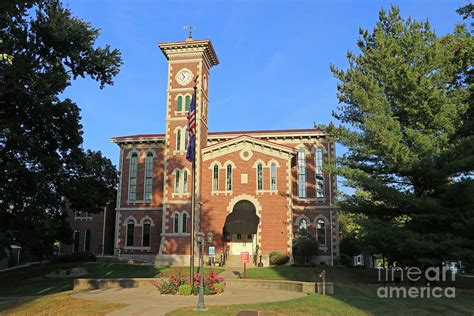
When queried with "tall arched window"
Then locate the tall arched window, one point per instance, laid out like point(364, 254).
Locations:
point(301, 173)
point(186, 140)
point(148, 176)
point(77, 235)
point(321, 231)
point(176, 223)
point(319, 176)
point(146, 233)
point(273, 176)
point(132, 185)
point(185, 181)
point(259, 177)
point(188, 102)
point(303, 224)
point(215, 178)
point(228, 180)
point(178, 139)
point(130, 232)
point(176, 181)
point(184, 222)
point(180, 104)
point(87, 241)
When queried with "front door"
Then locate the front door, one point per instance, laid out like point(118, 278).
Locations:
point(242, 242)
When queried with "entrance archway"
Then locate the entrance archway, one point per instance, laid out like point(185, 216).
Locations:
point(241, 227)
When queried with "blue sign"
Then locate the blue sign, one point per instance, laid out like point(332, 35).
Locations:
point(212, 251)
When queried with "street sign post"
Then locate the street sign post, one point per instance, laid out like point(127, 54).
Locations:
point(245, 258)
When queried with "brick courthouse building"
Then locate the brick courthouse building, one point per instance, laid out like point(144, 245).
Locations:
point(254, 190)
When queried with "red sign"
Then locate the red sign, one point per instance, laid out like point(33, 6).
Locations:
point(244, 257)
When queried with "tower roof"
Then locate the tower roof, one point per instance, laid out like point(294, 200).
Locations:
point(190, 45)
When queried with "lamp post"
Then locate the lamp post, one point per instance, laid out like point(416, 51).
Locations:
point(200, 240)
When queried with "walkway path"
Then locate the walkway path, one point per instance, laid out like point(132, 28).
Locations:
point(148, 301)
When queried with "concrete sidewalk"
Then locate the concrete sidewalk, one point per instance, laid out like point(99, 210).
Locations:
point(148, 301)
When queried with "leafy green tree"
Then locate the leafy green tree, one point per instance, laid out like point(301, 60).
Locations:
point(41, 156)
point(305, 245)
point(406, 118)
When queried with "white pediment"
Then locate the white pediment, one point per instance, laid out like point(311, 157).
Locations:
point(247, 142)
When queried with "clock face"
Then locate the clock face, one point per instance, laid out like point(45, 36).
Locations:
point(184, 77)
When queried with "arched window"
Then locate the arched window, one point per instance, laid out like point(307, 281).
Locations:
point(130, 232)
point(180, 104)
point(184, 222)
point(186, 141)
point(303, 224)
point(188, 102)
point(132, 185)
point(176, 181)
point(87, 241)
point(301, 173)
point(319, 176)
point(215, 178)
point(146, 233)
point(148, 176)
point(178, 139)
point(228, 180)
point(185, 181)
point(77, 235)
point(176, 223)
point(259, 177)
point(273, 177)
point(321, 231)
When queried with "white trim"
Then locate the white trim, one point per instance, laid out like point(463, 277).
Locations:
point(299, 218)
point(270, 175)
point(146, 217)
point(153, 156)
point(139, 209)
point(103, 229)
point(142, 224)
point(130, 173)
point(173, 222)
point(232, 167)
point(126, 231)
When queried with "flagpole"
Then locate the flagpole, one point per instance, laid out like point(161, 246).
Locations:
point(193, 199)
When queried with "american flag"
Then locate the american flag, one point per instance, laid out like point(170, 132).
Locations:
point(192, 129)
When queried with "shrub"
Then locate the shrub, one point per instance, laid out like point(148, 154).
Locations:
point(75, 257)
point(184, 289)
point(277, 258)
point(305, 245)
point(210, 281)
point(218, 288)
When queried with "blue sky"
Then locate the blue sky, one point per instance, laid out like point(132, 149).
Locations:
point(274, 60)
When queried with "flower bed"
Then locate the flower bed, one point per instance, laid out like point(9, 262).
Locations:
point(178, 283)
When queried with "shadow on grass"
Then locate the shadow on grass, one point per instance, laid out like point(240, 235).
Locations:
point(358, 288)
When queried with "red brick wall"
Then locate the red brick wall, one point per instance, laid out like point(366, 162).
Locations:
point(138, 216)
point(157, 196)
point(274, 206)
point(96, 225)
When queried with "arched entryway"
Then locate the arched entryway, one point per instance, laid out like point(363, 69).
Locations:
point(241, 227)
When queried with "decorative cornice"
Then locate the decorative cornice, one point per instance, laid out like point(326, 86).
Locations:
point(205, 47)
point(247, 142)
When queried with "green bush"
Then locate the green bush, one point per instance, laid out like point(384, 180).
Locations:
point(305, 246)
point(166, 287)
point(184, 289)
point(278, 259)
point(75, 257)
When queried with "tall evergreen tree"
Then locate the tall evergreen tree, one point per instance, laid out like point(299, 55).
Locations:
point(404, 113)
point(43, 48)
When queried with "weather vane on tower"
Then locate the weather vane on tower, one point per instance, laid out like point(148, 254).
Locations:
point(190, 29)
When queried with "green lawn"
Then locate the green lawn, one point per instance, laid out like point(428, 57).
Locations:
point(355, 294)
point(31, 281)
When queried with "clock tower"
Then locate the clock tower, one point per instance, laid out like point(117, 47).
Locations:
point(189, 63)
